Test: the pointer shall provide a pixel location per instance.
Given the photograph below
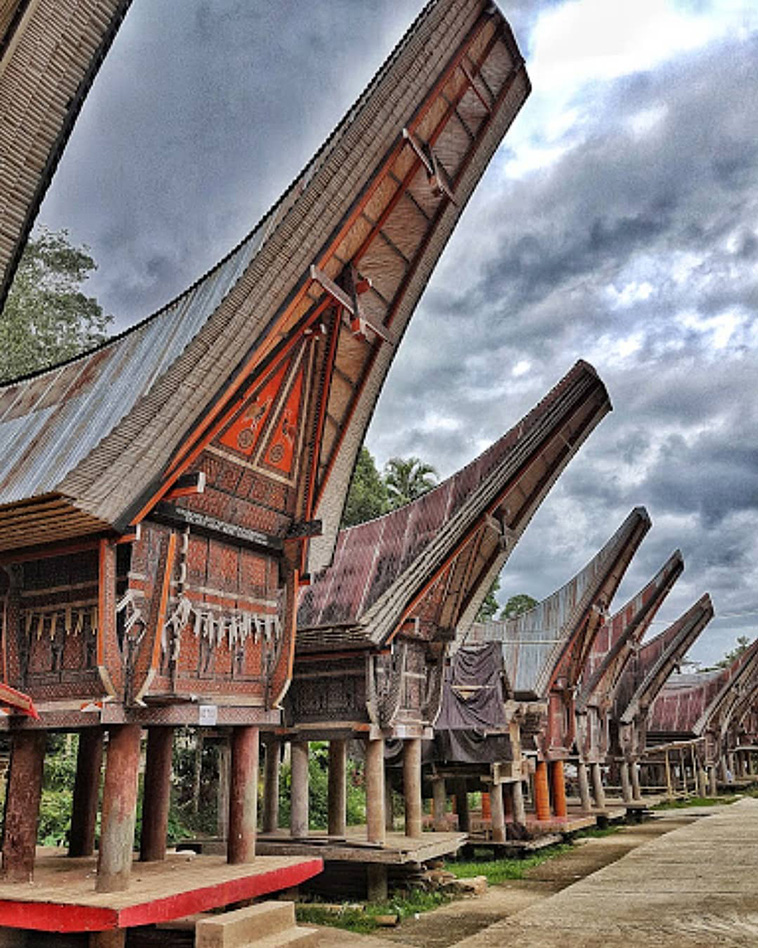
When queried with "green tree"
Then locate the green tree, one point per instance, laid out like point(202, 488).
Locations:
point(741, 645)
point(47, 318)
point(489, 605)
point(367, 497)
point(522, 602)
point(407, 479)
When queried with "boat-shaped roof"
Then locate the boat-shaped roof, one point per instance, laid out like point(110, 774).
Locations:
point(535, 642)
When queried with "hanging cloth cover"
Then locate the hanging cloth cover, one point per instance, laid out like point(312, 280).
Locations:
point(472, 727)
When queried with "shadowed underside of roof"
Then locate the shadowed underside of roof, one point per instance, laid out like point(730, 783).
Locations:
point(535, 642)
point(650, 668)
point(50, 51)
point(623, 632)
point(689, 704)
point(379, 565)
point(96, 435)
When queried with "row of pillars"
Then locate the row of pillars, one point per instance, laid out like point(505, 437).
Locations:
point(119, 800)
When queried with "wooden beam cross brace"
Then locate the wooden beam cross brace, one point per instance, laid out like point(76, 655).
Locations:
point(349, 303)
point(439, 179)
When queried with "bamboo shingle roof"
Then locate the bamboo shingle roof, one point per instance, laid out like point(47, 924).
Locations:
point(90, 440)
point(50, 52)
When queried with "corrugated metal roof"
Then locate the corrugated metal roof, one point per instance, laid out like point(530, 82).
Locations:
point(622, 633)
point(373, 557)
point(534, 641)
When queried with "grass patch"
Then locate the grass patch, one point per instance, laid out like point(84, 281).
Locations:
point(598, 832)
point(501, 870)
point(363, 920)
point(693, 801)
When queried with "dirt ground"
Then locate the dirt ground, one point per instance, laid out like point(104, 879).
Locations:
point(463, 918)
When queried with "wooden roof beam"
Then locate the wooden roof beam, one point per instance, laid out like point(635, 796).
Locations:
point(349, 302)
point(439, 179)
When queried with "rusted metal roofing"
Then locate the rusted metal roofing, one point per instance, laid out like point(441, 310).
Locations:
point(97, 434)
point(535, 642)
point(380, 564)
point(650, 668)
point(50, 51)
point(688, 704)
point(622, 634)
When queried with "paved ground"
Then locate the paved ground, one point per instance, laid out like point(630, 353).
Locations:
point(696, 887)
point(688, 879)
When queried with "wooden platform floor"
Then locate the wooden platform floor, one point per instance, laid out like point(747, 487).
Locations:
point(398, 849)
point(62, 897)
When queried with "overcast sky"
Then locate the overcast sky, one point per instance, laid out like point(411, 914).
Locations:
point(617, 223)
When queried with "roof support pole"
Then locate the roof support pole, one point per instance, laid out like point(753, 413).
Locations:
point(89, 764)
point(498, 813)
point(114, 863)
point(299, 805)
point(626, 784)
point(271, 786)
point(683, 768)
point(157, 793)
point(243, 795)
point(598, 791)
point(439, 804)
point(337, 791)
point(584, 787)
point(112, 938)
point(486, 806)
point(724, 769)
point(375, 817)
point(713, 787)
point(634, 772)
point(541, 792)
point(669, 784)
point(558, 786)
point(412, 786)
point(519, 808)
point(461, 806)
point(22, 805)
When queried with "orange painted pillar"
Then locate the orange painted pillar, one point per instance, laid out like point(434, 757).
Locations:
point(541, 792)
point(558, 781)
point(486, 807)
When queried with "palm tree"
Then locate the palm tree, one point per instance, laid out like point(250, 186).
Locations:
point(406, 479)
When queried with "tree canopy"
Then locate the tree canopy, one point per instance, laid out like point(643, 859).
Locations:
point(406, 479)
point(522, 602)
point(47, 318)
point(367, 497)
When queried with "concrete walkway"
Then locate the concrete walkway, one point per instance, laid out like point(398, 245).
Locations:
point(696, 887)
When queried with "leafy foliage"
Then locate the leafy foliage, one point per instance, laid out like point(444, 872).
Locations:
point(367, 497)
point(47, 318)
point(406, 479)
point(516, 605)
point(741, 645)
point(490, 605)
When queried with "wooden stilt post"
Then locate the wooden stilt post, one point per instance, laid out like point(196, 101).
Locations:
point(462, 807)
point(114, 864)
point(271, 787)
point(558, 786)
point(626, 786)
point(337, 788)
point(683, 767)
point(243, 795)
point(439, 804)
point(634, 773)
point(389, 808)
point(222, 792)
point(541, 792)
point(89, 763)
point(584, 787)
point(412, 786)
point(22, 805)
point(299, 803)
point(713, 787)
point(669, 784)
point(498, 813)
point(519, 808)
point(112, 938)
point(486, 806)
point(598, 791)
point(375, 819)
point(156, 798)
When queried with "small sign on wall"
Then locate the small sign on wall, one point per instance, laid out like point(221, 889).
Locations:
point(207, 715)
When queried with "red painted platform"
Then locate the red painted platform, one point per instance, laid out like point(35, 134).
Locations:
point(62, 896)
